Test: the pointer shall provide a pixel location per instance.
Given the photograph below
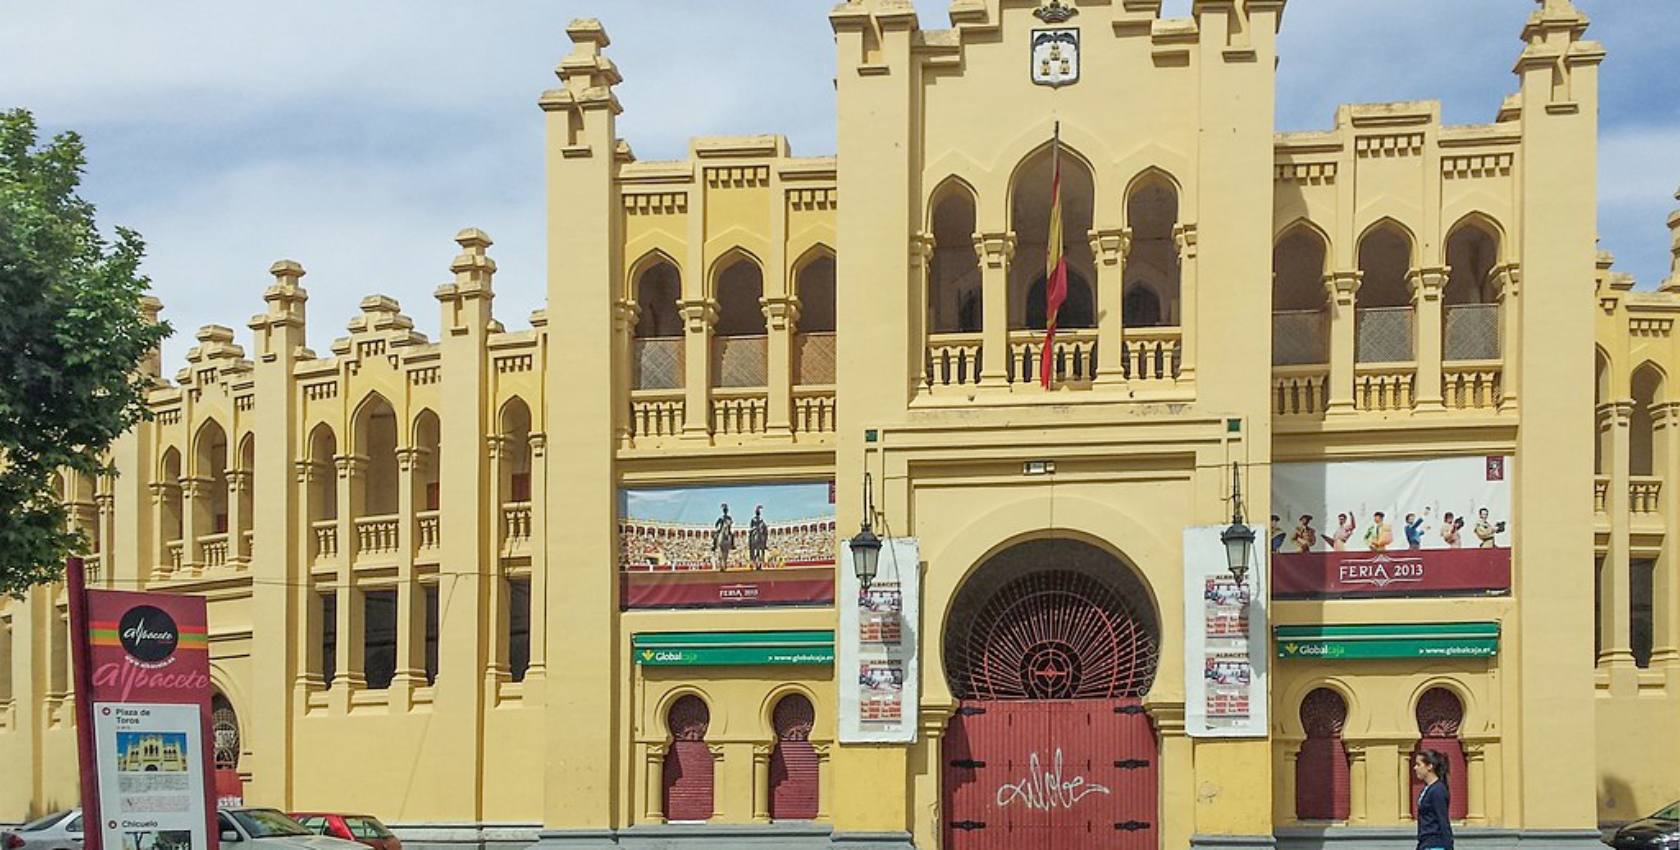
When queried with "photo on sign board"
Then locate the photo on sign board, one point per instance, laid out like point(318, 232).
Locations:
point(152, 752)
point(727, 545)
point(1434, 526)
point(172, 839)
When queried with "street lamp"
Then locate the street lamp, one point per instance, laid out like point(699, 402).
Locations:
point(1238, 538)
point(866, 547)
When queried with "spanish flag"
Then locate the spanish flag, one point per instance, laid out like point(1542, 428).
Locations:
point(1055, 264)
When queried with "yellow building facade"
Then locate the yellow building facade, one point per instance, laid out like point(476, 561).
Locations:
point(443, 590)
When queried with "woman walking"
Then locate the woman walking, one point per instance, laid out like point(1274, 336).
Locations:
point(1434, 824)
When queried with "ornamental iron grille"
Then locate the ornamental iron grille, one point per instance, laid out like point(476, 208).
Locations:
point(657, 363)
point(814, 358)
point(1299, 338)
point(793, 718)
point(1439, 713)
point(1470, 332)
point(1052, 620)
point(1383, 335)
point(224, 733)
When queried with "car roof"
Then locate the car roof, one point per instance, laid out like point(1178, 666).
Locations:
point(319, 813)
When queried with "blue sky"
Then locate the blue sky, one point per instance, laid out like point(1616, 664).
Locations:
point(357, 138)
point(698, 505)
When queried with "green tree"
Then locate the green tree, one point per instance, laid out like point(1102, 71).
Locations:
point(71, 337)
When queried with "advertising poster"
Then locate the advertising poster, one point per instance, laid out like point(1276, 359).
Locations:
point(878, 647)
point(150, 670)
point(1391, 527)
point(727, 546)
point(1225, 640)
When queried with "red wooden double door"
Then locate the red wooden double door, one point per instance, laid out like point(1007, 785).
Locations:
point(1050, 775)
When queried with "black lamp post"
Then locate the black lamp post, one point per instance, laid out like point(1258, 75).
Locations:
point(866, 547)
point(1238, 538)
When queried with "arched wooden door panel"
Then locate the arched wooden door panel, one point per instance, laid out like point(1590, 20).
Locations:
point(1049, 651)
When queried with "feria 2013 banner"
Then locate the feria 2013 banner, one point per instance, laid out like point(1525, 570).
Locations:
point(149, 665)
point(1432, 526)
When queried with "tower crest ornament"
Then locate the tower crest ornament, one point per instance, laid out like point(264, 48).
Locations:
point(1055, 12)
point(1055, 56)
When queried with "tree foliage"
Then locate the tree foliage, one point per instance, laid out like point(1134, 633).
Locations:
point(72, 333)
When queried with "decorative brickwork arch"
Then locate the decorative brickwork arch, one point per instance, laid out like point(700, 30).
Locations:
point(793, 762)
point(1321, 769)
point(688, 762)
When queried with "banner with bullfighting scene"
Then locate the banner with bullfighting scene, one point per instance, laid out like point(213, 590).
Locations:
point(1434, 527)
point(877, 643)
point(149, 656)
point(727, 545)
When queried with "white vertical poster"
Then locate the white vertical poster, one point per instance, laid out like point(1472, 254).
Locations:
point(151, 790)
point(1224, 639)
point(877, 672)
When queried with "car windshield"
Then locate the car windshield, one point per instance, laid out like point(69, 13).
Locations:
point(267, 823)
point(1671, 812)
point(42, 823)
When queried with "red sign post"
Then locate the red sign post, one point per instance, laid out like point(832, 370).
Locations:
point(143, 726)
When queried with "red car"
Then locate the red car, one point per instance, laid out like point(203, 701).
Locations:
point(365, 829)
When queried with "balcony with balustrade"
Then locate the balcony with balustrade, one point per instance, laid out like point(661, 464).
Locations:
point(745, 367)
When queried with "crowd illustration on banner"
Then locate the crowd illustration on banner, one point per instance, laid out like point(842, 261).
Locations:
point(1378, 535)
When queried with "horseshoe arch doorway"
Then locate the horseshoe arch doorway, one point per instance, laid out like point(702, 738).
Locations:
point(1049, 649)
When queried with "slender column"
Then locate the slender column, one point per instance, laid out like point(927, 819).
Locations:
point(1283, 806)
point(1475, 778)
point(1665, 590)
point(410, 670)
point(1342, 288)
point(921, 268)
point(1184, 238)
point(163, 492)
point(825, 779)
point(309, 674)
point(654, 792)
point(761, 782)
point(537, 672)
point(195, 521)
point(699, 316)
point(239, 516)
point(1510, 333)
point(107, 502)
point(1178, 758)
point(995, 250)
point(1358, 784)
point(347, 662)
point(1109, 247)
point(625, 316)
point(496, 667)
point(1426, 346)
point(1615, 617)
point(781, 317)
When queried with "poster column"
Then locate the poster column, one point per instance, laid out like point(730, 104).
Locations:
point(878, 672)
point(1225, 659)
point(147, 674)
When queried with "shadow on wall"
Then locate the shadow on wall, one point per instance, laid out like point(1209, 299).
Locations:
point(1616, 802)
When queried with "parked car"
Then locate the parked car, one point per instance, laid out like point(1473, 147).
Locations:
point(57, 831)
point(365, 829)
point(270, 829)
point(1660, 831)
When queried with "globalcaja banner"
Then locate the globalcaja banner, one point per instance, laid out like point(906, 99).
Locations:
point(1391, 527)
point(149, 655)
point(727, 545)
point(878, 647)
point(1225, 657)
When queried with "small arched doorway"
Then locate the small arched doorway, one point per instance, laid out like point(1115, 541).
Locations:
point(225, 749)
point(1049, 649)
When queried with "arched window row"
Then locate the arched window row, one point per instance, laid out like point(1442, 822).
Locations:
point(1150, 294)
point(1323, 767)
point(787, 772)
point(739, 319)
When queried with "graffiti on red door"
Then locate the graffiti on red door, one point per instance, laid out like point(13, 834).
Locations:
point(1050, 775)
point(1047, 789)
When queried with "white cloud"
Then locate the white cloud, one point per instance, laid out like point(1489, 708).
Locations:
point(357, 138)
